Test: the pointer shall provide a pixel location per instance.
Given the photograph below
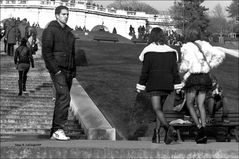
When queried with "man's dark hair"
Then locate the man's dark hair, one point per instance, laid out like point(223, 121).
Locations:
point(59, 8)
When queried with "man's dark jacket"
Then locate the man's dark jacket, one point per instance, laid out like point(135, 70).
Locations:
point(58, 48)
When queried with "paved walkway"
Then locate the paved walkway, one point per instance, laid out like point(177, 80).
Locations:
point(93, 149)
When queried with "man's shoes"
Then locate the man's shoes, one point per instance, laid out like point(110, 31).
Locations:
point(170, 135)
point(19, 94)
point(60, 135)
point(201, 137)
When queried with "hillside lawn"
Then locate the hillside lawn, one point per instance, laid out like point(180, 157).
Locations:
point(111, 76)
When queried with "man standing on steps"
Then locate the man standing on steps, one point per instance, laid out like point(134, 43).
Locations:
point(58, 52)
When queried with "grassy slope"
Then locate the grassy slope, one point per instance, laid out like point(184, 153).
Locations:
point(110, 78)
point(113, 72)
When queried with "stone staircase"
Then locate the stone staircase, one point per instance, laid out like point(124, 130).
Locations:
point(30, 114)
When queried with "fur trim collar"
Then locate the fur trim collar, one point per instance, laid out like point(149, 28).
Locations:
point(156, 48)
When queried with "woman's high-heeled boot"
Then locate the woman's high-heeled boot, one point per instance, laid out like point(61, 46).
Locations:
point(201, 137)
point(20, 87)
point(156, 136)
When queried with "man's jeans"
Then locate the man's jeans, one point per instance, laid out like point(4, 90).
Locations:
point(62, 83)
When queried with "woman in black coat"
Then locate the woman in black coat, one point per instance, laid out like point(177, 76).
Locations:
point(23, 58)
point(158, 76)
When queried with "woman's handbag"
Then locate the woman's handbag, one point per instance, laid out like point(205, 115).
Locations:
point(179, 100)
point(35, 47)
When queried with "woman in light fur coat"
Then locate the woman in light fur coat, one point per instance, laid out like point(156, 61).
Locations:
point(198, 58)
point(158, 76)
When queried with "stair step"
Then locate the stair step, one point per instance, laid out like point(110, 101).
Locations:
point(33, 117)
point(34, 137)
point(22, 130)
point(25, 126)
point(31, 74)
point(35, 131)
point(29, 103)
point(43, 90)
point(29, 89)
point(19, 108)
point(26, 113)
point(29, 120)
point(26, 97)
point(34, 125)
point(38, 95)
point(11, 84)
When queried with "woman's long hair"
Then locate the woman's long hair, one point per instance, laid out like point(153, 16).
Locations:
point(193, 33)
point(157, 36)
point(23, 42)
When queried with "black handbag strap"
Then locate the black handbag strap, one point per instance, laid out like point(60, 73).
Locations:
point(200, 49)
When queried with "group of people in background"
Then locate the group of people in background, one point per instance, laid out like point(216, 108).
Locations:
point(14, 29)
point(19, 32)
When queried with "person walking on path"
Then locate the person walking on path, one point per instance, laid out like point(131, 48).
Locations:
point(198, 58)
point(11, 36)
point(23, 29)
point(23, 58)
point(158, 76)
point(58, 52)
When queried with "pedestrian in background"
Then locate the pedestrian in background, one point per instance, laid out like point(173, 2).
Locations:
point(215, 100)
point(158, 76)
point(23, 28)
point(58, 52)
point(11, 36)
point(23, 58)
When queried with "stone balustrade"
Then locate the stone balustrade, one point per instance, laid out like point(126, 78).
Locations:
point(83, 14)
point(80, 5)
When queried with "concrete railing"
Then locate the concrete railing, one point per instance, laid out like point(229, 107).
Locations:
point(95, 125)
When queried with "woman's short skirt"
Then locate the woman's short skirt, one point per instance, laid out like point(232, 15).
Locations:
point(198, 82)
point(159, 93)
point(23, 66)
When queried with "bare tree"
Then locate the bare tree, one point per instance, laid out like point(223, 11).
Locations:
point(218, 11)
point(218, 22)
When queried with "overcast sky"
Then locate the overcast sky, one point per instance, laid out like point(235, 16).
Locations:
point(166, 4)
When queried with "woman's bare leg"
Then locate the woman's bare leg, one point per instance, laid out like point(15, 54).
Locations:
point(200, 100)
point(190, 96)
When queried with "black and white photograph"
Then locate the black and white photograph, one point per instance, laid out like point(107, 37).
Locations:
point(119, 79)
